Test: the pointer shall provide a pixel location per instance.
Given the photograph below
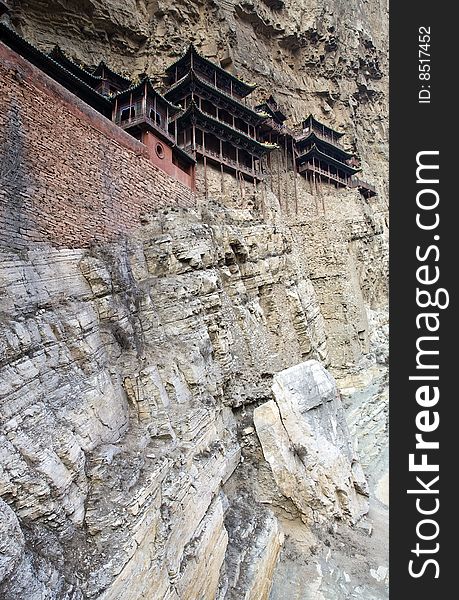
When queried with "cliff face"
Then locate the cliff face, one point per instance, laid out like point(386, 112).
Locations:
point(326, 58)
point(143, 450)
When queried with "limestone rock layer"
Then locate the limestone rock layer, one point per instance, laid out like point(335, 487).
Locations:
point(154, 440)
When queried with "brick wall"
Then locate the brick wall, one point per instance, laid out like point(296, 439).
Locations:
point(68, 175)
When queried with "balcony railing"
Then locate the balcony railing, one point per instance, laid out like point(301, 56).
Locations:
point(229, 124)
point(315, 169)
point(282, 129)
point(140, 117)
point(225, 160)
point(369, 189)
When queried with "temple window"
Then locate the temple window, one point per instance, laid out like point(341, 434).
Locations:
point(128, 113)
point(155, 117)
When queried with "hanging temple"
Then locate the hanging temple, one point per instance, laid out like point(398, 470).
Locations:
point(202, 118)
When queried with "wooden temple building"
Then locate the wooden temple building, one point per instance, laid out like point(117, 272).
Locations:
point(282, 162)
point(216, 125)
point(321, 158)
point(148, 116)
point(203, 117)
point(110, 82)
point(102, 79)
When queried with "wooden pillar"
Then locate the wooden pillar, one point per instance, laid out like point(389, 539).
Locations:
point(278, 178)
point(115, 110)
point(314, 183)
point(294, 177)
point(130, 107)
point(167, 118)
point(176, 75)
point(231, 87)
point(205, 162)
point(221, 165)
point(238, 174)
point(263, 191)
point(144, 100)
point(154, 109)
point(193, 141)
point(286, 174)
point(268, 160)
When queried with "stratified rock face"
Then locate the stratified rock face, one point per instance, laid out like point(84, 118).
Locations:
point(255, 541)
point(126, 369)
point(122, 366)
point(304, 437)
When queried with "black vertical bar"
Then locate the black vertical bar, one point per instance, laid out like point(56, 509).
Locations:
point(423, 130)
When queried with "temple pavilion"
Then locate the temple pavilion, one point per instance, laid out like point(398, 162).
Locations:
point(203, 115)
point(102, 79)
point(144, 113)
point(320, 157)
point(216, 125)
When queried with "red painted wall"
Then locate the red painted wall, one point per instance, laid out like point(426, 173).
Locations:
point(164, 162)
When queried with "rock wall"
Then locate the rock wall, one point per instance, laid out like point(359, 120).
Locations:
point(304, 438)
point(130, 369)
point(121, 366)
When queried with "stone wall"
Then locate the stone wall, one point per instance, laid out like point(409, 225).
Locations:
point(68, 175)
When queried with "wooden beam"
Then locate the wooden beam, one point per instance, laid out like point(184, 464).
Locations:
point(238, 174)
point(286, 174)
point(294, 177)
point(221, 165)
point(278, 178)
point(205, 162)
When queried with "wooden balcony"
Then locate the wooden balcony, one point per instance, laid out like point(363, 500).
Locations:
point(215, 117)
point(365, 188)
point(224, 160)
point(323, 174)
point(142, 120)
point(278, 128)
